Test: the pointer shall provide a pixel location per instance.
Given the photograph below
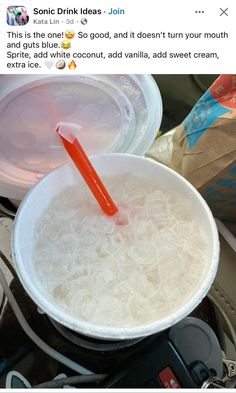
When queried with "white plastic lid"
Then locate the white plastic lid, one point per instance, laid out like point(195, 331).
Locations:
point(108, 113)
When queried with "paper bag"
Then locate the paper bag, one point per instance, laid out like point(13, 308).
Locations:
point(204, 147)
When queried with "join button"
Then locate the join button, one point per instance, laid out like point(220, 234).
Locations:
point(116, 11)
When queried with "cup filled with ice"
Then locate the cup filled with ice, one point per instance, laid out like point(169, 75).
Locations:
point(107, 280)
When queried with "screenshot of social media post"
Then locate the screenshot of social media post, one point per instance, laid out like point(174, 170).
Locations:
point(117, 195)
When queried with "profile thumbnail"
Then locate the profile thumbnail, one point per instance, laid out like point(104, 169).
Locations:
point(17, 15)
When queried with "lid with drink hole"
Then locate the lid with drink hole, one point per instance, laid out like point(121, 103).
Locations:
point(107, 113)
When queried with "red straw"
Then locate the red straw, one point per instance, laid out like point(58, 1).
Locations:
point(81, 160)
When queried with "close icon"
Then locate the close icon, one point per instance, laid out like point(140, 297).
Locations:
point(223, 11)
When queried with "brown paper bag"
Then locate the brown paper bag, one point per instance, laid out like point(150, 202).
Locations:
point(204, 147)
